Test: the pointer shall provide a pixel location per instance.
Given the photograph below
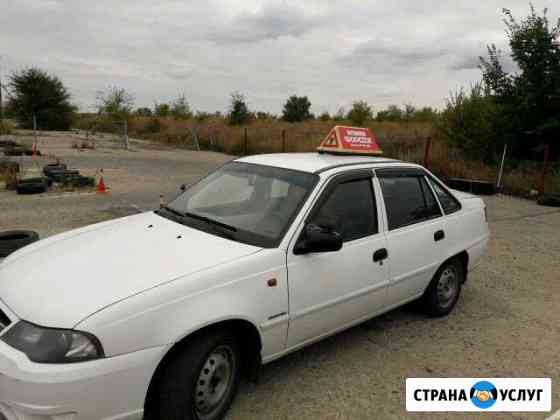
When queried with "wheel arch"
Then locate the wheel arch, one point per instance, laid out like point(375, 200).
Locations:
point(463, 257)
point(250, 341)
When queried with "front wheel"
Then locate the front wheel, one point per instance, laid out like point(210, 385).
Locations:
point(444, 290)
point(200, 382)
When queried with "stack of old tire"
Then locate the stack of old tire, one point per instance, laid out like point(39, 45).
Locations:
point(69, 178)
point(13, 240)
point(14, 149)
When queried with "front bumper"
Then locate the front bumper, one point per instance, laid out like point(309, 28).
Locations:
point(111, 388)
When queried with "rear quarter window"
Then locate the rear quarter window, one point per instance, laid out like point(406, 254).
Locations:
point(447, 201)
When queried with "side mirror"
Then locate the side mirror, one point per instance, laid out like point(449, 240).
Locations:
point(318, 239)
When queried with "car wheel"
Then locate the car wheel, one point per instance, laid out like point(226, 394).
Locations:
point(444, 290)
point(200, 382)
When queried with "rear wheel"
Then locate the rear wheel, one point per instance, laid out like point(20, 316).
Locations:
point(444, 290)
point(200, 382)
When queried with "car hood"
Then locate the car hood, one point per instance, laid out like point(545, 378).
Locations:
point(59, 281)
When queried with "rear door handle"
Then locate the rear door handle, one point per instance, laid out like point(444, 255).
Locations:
point(439, 235)
point(380, 255)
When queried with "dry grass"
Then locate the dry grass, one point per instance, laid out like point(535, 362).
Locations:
point(401, 140)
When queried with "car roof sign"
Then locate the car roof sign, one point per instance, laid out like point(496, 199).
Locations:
point(350, 140)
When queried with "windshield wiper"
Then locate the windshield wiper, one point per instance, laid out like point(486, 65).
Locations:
point(173, 211)
point(211, 222)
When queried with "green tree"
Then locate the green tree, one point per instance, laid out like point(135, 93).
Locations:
point(392, 113)
point(180, 108)
point(296, 109)
point(360, 113)
point(425, 114)
point(115, 102)
point(34, 92)
point(162, 110)
point(202, 116)
point(469, 123)
point(528, 101)
point(143, 112)
point(238, 110)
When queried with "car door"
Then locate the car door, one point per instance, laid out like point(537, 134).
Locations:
point(415, 231)
point(332, 290)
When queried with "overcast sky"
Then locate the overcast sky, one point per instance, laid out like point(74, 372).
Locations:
point(385, 52)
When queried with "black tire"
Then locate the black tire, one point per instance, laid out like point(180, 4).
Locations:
point(78, 181)
point(7, 143)
point(32, 186)
point(549, 199)
point(13, 240)
point(14, 152)
point(182, 377)
point(61, 174)
point(435, 301)
point(47, 169)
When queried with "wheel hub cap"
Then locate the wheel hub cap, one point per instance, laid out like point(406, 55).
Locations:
point(214, 382)
point(447, 287)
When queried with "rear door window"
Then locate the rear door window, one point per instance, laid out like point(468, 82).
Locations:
point(408, 200)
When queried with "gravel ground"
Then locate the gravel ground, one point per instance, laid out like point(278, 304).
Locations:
point(506, 323)
point(136, 179)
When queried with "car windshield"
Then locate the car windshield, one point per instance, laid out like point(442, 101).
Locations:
point(245, 202)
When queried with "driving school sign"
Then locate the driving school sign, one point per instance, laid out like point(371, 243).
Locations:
point(350, 140)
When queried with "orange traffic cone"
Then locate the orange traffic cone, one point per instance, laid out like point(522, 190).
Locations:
point(101, 189)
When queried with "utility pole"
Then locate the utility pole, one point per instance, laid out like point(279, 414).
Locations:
point(1, 100)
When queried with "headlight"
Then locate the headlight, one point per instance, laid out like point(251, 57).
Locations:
point(47, 345)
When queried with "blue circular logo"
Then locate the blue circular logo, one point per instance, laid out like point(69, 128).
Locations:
point(484, 394)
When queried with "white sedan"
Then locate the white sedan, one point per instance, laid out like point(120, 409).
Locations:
point(160, 314)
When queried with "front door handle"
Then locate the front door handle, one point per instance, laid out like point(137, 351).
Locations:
point(439, 235)
point(380, 255)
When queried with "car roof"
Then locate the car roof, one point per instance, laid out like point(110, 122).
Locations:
point(312, 162)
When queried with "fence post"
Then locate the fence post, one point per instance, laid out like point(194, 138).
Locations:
point(501, 172)
point(35, 127)
point(246, 141)
point(283, 140)
point(427, 151)
point(126, 134)
point(545, 164)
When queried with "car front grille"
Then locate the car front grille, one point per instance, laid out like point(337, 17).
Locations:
point(4, 322)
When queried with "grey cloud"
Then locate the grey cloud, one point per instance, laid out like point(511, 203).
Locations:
point(468, 63)
point(410, 54)
point(270, 22)
point(332, 51)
